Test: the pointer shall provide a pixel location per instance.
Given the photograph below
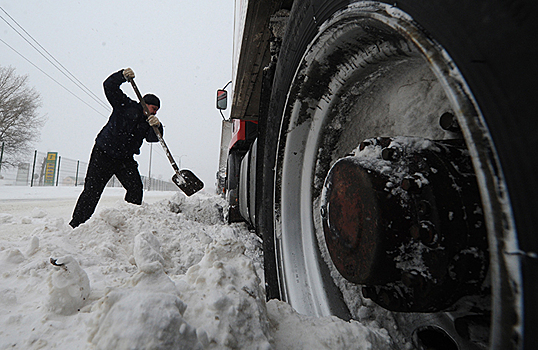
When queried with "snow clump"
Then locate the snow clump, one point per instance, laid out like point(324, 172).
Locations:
point(69, 286)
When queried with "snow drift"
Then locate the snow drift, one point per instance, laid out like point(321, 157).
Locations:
point(169, 275)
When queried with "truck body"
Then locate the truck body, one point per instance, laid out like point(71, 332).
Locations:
point(348, 119)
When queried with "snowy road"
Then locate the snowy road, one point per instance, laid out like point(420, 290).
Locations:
point(168, 274)
point(31, 202)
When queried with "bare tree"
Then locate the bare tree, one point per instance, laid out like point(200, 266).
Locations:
point(20, 125)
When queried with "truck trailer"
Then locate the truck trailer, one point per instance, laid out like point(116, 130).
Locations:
point(384, 151)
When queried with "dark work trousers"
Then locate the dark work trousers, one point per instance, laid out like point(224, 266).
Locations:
point(100, 170)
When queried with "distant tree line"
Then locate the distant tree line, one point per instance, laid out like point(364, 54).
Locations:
point(20, 124)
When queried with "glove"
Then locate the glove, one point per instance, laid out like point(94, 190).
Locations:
point(128, 74)
point(153, 120)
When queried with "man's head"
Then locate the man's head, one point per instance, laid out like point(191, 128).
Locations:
point(152, 102)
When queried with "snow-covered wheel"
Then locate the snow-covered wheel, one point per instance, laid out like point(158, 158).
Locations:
point(349, 73)
point(232, 185)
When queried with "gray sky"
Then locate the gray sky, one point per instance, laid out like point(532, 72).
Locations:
point(179, 50)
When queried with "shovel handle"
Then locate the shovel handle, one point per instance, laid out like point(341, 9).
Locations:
point(139, 95)
point(155, 129)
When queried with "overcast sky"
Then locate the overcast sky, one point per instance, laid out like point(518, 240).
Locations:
point(179, 50)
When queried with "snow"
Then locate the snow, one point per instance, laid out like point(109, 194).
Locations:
point(169, 274)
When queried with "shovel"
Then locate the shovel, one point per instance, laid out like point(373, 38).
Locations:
point(184, 179)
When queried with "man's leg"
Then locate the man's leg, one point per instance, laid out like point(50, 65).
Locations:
point(100, 170)
point(130, 179)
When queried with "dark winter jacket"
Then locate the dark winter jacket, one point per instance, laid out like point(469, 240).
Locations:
point(127, 127)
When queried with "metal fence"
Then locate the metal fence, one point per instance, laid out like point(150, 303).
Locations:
point(51, 169)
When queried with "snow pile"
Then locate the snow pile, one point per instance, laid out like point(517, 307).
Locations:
point(295, 331)
point(137, 316)
point(169, 275)
point(229, 303)
point(69, 286)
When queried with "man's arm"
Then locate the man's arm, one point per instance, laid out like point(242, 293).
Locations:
point(151, 136)
point(115, 96)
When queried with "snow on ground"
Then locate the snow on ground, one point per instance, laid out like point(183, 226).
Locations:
point(27, 205)
point(168, 274)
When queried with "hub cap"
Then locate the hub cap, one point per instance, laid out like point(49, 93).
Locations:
point(404, 218)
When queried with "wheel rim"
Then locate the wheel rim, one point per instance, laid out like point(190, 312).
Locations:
point(371, 72)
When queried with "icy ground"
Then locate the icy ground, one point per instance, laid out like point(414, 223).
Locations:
point(168, 274)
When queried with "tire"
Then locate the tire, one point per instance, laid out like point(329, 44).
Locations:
point(232, 186)
point(479, 55)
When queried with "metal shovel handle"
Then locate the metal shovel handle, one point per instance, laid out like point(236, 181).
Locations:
point(155, 129)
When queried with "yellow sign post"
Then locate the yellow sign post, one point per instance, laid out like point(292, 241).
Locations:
point(50, 168)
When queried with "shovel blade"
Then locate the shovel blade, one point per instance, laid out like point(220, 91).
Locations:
point(187, 182)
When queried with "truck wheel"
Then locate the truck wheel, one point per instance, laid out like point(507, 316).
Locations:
point(232, 186)
point(351, 74)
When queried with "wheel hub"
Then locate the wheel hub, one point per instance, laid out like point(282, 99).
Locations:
point(403, 218)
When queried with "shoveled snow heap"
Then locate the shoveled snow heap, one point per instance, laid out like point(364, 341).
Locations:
point(169, 275)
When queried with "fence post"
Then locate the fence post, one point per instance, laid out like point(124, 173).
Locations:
point(58, 172)
point(76, 176)
point(33, 169)
point(2, 155)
